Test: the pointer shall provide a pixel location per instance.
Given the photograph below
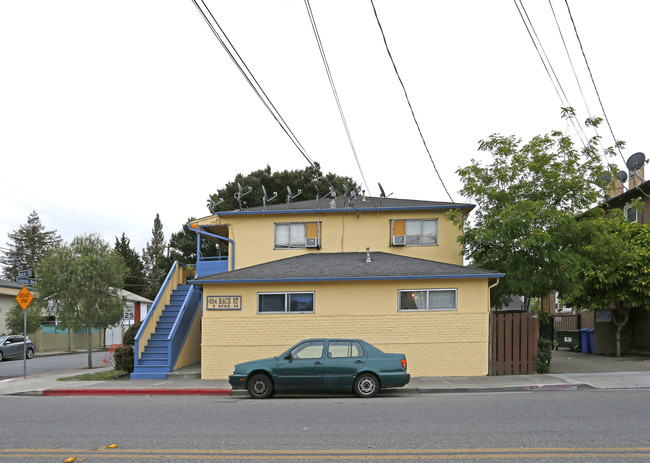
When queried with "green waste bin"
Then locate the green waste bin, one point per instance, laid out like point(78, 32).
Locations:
point(567, 338)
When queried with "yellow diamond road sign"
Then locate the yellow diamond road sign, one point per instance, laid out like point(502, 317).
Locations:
point(24, 297)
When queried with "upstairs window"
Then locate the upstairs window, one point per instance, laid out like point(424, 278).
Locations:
point(414, 232)
point(297, 235)
point(631, 213)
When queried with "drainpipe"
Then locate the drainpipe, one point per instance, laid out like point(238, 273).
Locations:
point(489, 288)
point(490, 328)
point(199, 232)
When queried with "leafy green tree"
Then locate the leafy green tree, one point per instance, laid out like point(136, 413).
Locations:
point(15, 322)
point(182, 246)
point(278, 182)
point(615, 273)
point(135, 281)
point(156, 263)
point(80, 281)
point(27, 247)
point(528, 198)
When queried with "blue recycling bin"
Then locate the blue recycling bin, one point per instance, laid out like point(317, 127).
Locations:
point(587, 340)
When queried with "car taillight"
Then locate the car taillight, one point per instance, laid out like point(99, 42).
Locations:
point(404, 363)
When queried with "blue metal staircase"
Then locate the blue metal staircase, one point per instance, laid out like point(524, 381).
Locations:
point(163, 344)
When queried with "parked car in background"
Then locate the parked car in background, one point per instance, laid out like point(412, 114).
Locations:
point(13, 346)
point(324, 365)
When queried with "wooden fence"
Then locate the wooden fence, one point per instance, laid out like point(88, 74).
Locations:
point(513, 343)
point(566, 322)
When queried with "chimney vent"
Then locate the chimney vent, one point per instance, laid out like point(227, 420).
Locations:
point(368, 255)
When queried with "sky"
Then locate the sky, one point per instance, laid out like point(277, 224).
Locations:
point(113, 112)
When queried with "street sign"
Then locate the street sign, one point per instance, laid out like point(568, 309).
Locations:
point(24, 298)
point(26, 281)
point(29, 273)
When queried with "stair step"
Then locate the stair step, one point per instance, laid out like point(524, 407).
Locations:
point(155, 350)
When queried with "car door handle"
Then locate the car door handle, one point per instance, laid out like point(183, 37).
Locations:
point(318, 363)
point(359, 361)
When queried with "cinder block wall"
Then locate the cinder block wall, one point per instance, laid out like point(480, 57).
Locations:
point(441, 343)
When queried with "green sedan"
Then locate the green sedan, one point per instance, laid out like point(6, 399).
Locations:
point(324, 365)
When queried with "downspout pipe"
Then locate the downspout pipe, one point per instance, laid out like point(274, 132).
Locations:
point(489, 288)
point(198, 231)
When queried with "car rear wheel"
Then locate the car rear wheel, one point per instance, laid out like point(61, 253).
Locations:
point(260, 386)
point(366, 385)
point(30, 353)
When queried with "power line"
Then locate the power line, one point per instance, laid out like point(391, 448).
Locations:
point(616, 144)
point(250, 78)
point(563, 98)
point(381, 29)
point(336, 96)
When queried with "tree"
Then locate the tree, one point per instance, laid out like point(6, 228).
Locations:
point(27, 247)
point(278, 182)
point(80, 281)
point(182, 246)
point(616, 268)
point(14, 320)
point(135, 281)
point(528, 198)
point(156, 265)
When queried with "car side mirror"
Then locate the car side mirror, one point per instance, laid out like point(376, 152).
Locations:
point(288, 356)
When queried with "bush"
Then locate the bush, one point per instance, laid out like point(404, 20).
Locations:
point(544, 354)
point(129, 335)
point(123, 356)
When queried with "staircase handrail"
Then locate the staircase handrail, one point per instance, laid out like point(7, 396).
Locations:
point(150, 314)
point(182, 324)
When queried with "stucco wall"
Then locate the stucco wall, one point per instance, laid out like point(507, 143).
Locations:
point(436, 343)
point(340, 232)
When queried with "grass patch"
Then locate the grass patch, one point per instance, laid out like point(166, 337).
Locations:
point(97, 376)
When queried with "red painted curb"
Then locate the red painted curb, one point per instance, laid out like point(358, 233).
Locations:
point(141, 391)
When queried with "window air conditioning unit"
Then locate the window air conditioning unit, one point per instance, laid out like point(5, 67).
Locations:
point(399, 240)
point(311, 242)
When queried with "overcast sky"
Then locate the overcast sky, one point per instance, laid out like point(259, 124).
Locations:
point(111, 112)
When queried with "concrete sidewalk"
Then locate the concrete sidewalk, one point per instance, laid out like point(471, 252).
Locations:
point(569, 371)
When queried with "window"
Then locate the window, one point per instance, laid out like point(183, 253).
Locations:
point(631, 214)
point(414, 232)
point(427, 299)
point(344, 349)
point(297, 235)
point(285, 302)
point(308, 350)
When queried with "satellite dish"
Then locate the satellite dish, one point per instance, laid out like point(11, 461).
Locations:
point(636, 161)
point(603, 179)
point(621, 176)
point(383, 193)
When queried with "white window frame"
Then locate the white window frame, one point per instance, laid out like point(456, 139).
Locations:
point(627, 210)
point(286, 301)
point(303, 245)
point(428, 291)
point(421, 236)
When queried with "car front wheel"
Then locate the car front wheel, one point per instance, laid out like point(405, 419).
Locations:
point(1, 356)
point(30, 353)
point(366, 385)
point(260, 386)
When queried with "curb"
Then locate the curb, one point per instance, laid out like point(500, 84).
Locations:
point(133, 392)
point(526, 388)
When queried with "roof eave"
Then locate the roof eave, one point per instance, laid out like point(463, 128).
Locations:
point(360, 278)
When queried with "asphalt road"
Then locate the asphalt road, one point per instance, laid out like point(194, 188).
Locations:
point(580, 426)
point(42, 364)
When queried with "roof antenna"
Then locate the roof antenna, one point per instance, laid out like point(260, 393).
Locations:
point(266, 199)
point(290, 195)
point(213, 206)
point(346, 196)
point(382, 195)
point(368, 260)
point(353, 197)
point(239, 195)
point(332, 194)
point(317, 196)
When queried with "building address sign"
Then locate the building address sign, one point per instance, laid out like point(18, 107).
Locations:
point(224, 303)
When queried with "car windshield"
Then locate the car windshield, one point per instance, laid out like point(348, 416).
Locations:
point(2, 339)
